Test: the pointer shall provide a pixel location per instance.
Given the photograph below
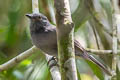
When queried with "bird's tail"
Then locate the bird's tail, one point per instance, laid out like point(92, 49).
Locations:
point(91, 58)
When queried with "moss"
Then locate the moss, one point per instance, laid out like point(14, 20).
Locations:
point(65, 49)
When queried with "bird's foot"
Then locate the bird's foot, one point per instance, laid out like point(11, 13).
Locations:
point(52, 62)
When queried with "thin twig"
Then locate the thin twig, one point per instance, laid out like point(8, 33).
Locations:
point(101, 52)
point(96, 37)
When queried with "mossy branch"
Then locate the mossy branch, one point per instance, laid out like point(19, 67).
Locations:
point(65, 39)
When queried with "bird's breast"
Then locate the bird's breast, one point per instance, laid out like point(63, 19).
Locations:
point(46, 41)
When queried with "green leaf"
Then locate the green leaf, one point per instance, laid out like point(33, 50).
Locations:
point(118, 73)
point(78, 74)
point(96, 70)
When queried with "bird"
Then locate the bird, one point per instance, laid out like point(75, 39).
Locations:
point(43, 36)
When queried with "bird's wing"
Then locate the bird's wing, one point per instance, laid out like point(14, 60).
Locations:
point(51, 28)
point(90, 57)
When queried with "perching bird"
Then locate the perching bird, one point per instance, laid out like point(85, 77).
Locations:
point(43, 35)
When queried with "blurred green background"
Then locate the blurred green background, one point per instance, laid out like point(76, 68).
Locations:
point(91, 17)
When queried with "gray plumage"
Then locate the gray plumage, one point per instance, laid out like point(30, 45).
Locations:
point(43, 35)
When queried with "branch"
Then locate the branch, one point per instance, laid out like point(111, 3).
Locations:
point(35, 7)
point(100, 52)
point(14, 61)
point(54, 69)
point(18, 58)
point(65, 29)
point(96, 37)
point(114, 42)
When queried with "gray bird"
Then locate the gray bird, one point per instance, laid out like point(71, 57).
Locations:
point(43, 35)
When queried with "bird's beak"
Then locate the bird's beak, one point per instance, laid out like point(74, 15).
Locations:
point(29, 15)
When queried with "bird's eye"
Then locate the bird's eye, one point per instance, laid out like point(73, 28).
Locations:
point(39, 17)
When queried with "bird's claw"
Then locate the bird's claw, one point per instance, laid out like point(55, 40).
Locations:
point(52, 62)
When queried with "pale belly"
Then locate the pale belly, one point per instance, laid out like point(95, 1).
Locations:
point(47, 42)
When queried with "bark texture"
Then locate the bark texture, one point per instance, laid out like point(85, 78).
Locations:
point(65, 29)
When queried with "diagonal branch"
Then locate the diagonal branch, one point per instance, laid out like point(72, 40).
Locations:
point(18, 58)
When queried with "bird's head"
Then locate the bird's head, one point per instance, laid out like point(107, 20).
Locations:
point(36, 17)
point(38, 22)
